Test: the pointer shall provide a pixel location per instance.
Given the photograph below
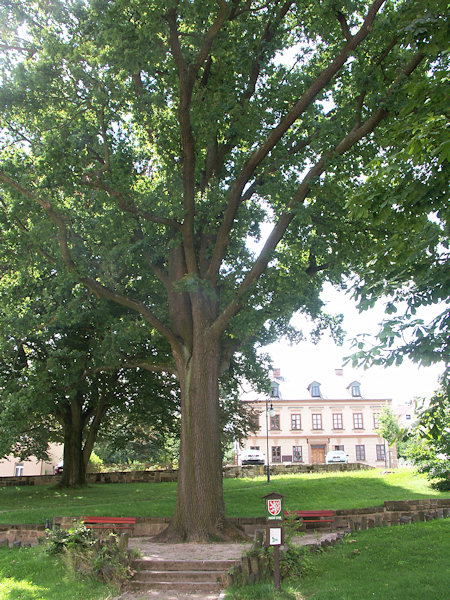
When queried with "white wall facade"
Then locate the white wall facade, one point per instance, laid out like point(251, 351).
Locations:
point(14, 467)
point(309, 428)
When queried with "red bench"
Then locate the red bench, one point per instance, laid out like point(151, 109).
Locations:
point(312, 516)
point(109, 522)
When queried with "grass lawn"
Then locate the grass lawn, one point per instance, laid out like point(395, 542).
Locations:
point(409, 562)
point(31, 574)
point(28, 504)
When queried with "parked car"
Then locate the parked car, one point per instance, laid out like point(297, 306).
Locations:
point(336, 456)
point(252, 457)
point(58, 469)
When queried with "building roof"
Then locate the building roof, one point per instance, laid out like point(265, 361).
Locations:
point(334, 385)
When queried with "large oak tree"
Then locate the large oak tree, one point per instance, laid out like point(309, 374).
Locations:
point(146, 143)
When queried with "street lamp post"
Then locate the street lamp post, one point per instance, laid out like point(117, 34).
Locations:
point(269, 411)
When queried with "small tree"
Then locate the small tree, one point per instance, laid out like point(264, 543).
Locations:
point(388, 429)
point(431, 450)
point(388, 426)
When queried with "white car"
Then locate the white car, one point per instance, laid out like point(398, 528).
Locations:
point(336, 456)
point(252, 457)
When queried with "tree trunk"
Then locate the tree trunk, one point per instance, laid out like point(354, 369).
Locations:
point(200, 509)
point(74, 470)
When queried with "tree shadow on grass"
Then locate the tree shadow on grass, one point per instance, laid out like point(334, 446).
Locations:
point(325, 491)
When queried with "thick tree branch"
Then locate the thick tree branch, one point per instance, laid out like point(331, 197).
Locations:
point(267, 36)
point(54, 216)
point(187, 76)
point(208, 40)
point(344, 25)
point(104, 292)
point(137, 364)
point(278, 132)
point(93, 285)
point(187, 142)
point(127, 205)
point(48, 257)
point(277, 233)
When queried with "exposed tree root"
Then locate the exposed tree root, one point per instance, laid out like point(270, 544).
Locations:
point(228, 532)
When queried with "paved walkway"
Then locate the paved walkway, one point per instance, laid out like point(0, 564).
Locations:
point(159, 551)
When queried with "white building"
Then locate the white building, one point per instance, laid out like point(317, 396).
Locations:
point(307, 423)
point(12, 466)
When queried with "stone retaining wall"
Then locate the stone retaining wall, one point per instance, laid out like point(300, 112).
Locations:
point(254, 568)
point(172, 475)
point(21, 535)
point(395, 512)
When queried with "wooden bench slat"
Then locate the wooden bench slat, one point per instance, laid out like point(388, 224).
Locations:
point(323, 516)
point(109, 522)
point(109, 519)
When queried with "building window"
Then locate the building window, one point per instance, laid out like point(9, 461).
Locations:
point(315, 391)
point(356, 391)
point(360, 452)
point(254, 422)
point(358, 421)
point(337, 421)
point(317, 421)
point(339, 447)
point(276, 453)
point(375, 421)
point(381, 455)
point(275, 422)
point(297, 454)
point(275, 391)
point(408, 417)
point(296, 422)
point(254, 447)
point(18, 470)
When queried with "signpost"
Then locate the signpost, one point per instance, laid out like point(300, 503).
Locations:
point(275, 531)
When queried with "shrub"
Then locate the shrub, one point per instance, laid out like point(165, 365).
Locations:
point(95, 464)
point(84, 554)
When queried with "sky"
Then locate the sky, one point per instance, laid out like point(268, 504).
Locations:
point(302, 363)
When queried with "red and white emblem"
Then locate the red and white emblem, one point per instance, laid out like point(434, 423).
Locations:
point(274, 507)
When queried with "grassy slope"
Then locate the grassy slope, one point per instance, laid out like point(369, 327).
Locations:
point(30, 574)
point(408, 562)
point(242, 496)
point(395, 563)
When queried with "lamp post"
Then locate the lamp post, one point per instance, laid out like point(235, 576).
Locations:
point(269, 411)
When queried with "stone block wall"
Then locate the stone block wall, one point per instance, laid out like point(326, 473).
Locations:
point(389, 514)
point(24, 535)
point(172, 475)
point(395, 512)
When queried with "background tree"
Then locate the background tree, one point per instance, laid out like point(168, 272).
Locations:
point(388, 425)
point(429, 446)
point(146, 143)
point(388, 429)
point(59, 385)
point(411, 271)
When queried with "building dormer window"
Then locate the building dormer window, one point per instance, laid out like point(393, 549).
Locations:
point(355, 389)
point(275, 390)
point(314, 389)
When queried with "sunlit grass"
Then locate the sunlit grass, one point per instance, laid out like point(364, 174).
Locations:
point(408, 562)
point(337, 490)
point(31, 574)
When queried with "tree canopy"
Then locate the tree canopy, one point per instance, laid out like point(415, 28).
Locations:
point(146, 143)
point(65, 377)
point(428, 442)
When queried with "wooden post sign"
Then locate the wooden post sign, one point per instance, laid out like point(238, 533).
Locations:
point(275, 531)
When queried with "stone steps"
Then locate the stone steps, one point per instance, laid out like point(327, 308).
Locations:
point(180, 575)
